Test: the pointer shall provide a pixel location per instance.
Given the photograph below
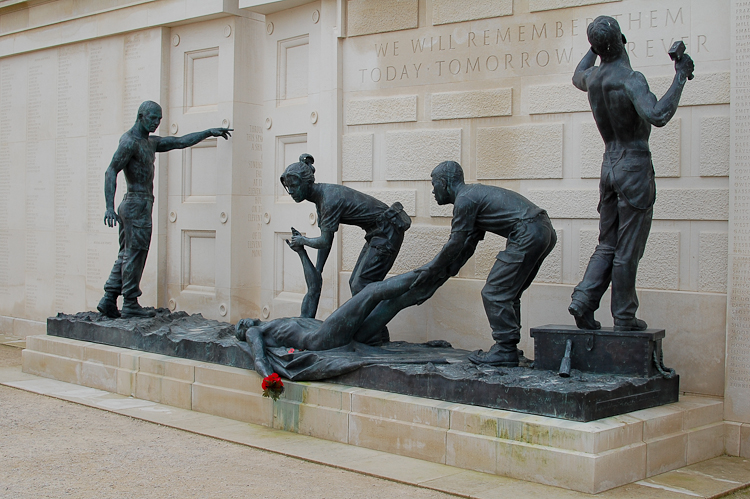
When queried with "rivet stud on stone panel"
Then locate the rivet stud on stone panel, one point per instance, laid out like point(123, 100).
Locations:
point(314, 117)
point(316, 16)
point(172, 304)
point(269, 123)
point(266, 217)
point(173, 128)
point(313, 218)
point(269, 28)
point(223, 310)
point(223, 217)
point(225, 123)
point(173, 216)
point(266, 312)
point(227, 31)
point(176, 40)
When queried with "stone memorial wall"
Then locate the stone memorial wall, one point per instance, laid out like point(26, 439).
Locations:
point(737, 395)
point(63, 111)
point(393, 88)
point(489, 85)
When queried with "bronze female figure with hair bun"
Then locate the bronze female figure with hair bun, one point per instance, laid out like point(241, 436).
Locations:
point(384, 226)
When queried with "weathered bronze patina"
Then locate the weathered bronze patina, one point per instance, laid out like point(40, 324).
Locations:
point(135, 157)
point(624, 109)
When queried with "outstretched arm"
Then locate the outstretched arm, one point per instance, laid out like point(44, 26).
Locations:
point(470, 246)
point(168, 143)
point(583, 69)
point(254, 346)
point(440, 264)
point(313, 279)
point(119, 162)
point(658, 113)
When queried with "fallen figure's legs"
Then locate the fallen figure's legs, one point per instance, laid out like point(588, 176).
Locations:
point(338, 329)
point(313, 280)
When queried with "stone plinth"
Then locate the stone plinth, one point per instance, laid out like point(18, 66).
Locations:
point(603, 351)
point(583, 397)
point(588, 457)
point(430, 371)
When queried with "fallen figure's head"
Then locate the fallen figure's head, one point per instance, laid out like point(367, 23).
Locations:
point(240, 330)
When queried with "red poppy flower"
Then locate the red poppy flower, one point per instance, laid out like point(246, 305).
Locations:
point(272, 386)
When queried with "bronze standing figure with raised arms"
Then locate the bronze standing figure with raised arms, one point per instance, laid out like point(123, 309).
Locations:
point(624, 109)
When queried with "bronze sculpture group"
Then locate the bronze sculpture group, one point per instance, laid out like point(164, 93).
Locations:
point(624, 110)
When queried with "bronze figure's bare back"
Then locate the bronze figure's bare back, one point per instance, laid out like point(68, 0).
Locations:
point(624, 109)
point(616, 117)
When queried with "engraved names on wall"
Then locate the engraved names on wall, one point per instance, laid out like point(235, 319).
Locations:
point(737, 391)
point(59, 127)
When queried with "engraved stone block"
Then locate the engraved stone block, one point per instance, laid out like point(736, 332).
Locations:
point(412, 155)
point(704, 89)
point(692, 204)
point(365, 16)
point(381, 110)
point(715, 135)
point(513, 152)
point(738, 353)
point(566, 203)
point(712, 262)
point(563, 98)
point(450, 11)
point(356, 157)
point(591, 150)
point(472, 104)
point(660, 266)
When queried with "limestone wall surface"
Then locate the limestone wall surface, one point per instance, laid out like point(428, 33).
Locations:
point(63, 111)
point(72, 75)
point(379, 92)
point(737, 392)
point(489, 85)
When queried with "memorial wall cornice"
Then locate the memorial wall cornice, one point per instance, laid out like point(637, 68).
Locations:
point(27, 27)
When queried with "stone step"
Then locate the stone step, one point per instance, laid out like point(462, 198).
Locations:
point(588, 457)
